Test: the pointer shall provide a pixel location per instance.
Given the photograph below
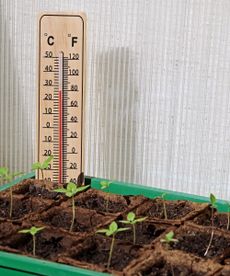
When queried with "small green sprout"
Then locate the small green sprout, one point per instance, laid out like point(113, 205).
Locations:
point(6, 176)
point(213, 207)
point(164, 205)
point(32, 231)
point(42, 166)
point(169, 238)
point(228, 222)
point(111, 231)
point(131, 219)
point(70, 191)
point(105, 185)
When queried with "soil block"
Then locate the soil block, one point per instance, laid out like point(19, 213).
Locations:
point(8, 228)
point(177, 210)
point(146, 232)
point(173, 263)
point(93, 254)
point(195, 240)
point(38, 188)
point(220, 220)
point(106, 202)
point(22, 206)
point(86, 220)
point(49, 243)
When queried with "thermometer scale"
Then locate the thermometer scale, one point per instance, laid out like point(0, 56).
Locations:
point(61, 84)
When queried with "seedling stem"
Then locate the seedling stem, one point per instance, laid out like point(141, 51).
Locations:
point(5, 175)
point(112, 230)
point(105, 185)
point(32, 231)
point(213, 206)
point(70, 191)
point(164, 205)
point(131, 219)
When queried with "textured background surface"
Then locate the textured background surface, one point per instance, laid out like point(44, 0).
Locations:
point(158, 107)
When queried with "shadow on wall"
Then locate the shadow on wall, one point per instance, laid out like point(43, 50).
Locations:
point(15, 134)
point(116, 96)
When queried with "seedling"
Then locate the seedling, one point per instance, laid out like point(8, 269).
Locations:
point(70, 191)
point(111, 231)
point(131, 219)
point(164, 205)
point(6, 176)
point(32, 231)
point(105, 185)
point(42, 166)
point(228, 222)
point(213, 206)
point(169, 238)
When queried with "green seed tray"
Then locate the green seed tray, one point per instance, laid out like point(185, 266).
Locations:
point(18, 265)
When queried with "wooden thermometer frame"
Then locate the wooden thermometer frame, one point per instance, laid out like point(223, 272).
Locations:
point(61, 92)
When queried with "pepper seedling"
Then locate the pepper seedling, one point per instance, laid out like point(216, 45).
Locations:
point(132, 220)
point(70, 191)
point(169, 238)
point(5, 175)
point(42, 166)
point(164, 205)
point(213, 207)
point(112, 230)
point(32, 231)
point(105, 185)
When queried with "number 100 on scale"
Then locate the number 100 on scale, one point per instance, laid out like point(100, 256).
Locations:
point(61, 95)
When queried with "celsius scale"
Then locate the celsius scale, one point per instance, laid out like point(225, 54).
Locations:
point(61, 85)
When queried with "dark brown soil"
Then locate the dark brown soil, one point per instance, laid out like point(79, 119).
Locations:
point(21, 206)
point(85, 220)
point(174, 209)
point(8, 228)
point(49, 243)
point(95, 250)
point(38, 188)
point(164, 268)
point(105, 202)
point(220, 220)
point(196, 242)
point(146, 232)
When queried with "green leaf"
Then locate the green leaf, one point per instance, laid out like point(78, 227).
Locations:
point(140, 219)
point(125, 221)
point(163, 196)
point(169, 236)
point(71, 187)
point(109, 233)
point(131, 216)
point(105, 184)
point(82, 188)
point(102, 231)
point(113, 227)
point(33, 230)
point(46, 163)
point(24, 231)
point(61, 190)
point(36, 166)
point(3, 171)
point(122, 229)
point(213, 199)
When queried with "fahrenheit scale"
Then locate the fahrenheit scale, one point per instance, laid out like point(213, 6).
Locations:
point(61, 84)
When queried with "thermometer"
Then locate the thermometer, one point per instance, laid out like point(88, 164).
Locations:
point(61, 85)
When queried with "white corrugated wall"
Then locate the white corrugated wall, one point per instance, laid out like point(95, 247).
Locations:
point(158, 106)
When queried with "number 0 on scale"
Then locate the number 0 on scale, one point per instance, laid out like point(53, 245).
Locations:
point(61, 84)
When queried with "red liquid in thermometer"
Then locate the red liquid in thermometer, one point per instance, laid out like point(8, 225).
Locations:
point(60, 106)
